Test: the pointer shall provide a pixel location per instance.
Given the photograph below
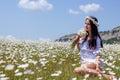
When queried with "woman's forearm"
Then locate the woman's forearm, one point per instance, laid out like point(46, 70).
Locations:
point(78, 47)
point(77, 38)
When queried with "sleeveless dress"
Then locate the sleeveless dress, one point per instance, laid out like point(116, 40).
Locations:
point(89, 55)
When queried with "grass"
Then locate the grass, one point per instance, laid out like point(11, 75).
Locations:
point(42, 60)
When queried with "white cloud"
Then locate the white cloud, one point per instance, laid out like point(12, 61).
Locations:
point(44, 39)
point(90, 7)
point(35, 5)
point(8, 37)
point(73, 11)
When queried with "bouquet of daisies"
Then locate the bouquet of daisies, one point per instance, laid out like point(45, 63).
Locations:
point(81, 33)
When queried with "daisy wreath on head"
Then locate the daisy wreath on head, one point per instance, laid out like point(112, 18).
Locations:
point(94, 22)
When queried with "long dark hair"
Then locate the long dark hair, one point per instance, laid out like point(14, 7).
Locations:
point(93, 40)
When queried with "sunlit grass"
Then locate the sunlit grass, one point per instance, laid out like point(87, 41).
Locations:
point(47, 60)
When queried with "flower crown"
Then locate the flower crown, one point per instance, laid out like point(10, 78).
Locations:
point(94, 22)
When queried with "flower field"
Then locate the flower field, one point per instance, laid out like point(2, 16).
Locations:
point(48, 60)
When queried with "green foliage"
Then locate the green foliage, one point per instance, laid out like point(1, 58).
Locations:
point(112, 41)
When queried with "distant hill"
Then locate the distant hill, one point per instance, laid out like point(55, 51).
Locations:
point(111, 35)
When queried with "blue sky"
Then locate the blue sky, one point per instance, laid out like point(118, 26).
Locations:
point(51, 19)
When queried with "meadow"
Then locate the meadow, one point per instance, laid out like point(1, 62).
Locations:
point(49, 60)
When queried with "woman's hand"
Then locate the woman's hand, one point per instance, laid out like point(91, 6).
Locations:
point(98, 69)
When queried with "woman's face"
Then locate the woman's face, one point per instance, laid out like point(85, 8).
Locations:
point(87, 25)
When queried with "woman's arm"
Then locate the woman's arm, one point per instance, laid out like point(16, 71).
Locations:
point(98, 63)
point(74, 42)
point(98, 52)
point(77, 38)
point(78, 46)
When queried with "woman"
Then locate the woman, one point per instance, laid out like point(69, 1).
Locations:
point(89, 48)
